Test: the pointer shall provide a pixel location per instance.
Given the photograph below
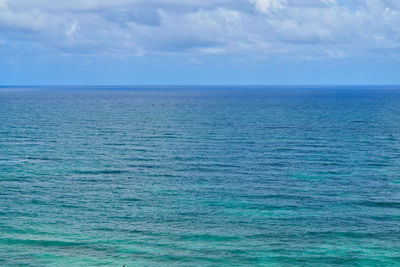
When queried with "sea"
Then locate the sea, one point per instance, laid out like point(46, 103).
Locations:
point(200, 176)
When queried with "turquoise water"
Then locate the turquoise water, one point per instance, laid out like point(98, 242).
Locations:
point(200, 176)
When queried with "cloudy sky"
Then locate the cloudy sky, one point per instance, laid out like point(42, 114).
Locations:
point(199, 42)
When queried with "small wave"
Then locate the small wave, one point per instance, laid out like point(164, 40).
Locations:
point(144, 166)
point(115, 144)
point(42, 243)
point(96, 172)
point(343, 234)
point(380, 204)
point(43, 158)
point(215, 238)
point(131, 199)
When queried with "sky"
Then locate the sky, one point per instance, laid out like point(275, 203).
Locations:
point(155, 42)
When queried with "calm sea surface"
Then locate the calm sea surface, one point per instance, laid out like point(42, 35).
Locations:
point(200, 176)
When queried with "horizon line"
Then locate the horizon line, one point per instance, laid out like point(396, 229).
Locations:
point(195, 85)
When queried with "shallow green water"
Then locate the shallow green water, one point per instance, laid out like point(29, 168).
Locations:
point(199, 177)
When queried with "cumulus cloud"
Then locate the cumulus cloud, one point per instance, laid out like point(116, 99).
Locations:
point(315, 28)
point(267, 5)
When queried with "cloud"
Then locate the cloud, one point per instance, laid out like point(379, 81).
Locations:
point(143, 16)
point(266, 6)
point(254, 28)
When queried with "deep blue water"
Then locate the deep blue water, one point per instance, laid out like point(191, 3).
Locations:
point(200, 176)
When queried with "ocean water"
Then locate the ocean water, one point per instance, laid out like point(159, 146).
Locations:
point(200, 176)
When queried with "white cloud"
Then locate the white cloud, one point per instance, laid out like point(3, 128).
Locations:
point(266, 6)
point(72, 29)
point(211, 27)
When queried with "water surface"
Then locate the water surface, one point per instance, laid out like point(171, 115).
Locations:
point(200, 176)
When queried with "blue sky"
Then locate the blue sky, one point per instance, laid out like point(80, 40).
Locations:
point(122, 42)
